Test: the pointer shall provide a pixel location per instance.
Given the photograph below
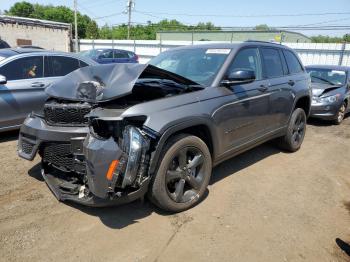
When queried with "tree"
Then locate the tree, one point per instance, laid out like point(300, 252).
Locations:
point(23, 9)
point(262, 27)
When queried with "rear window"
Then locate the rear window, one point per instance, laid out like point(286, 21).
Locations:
point(293, 63)
point(61, 65)
point(272, 62)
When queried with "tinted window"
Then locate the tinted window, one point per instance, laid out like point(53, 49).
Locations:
point(327, 76)
point(23, 68)
point(131, 54)
point(61, 66)
point(118, 54)
point(247, 59)
point(106, 54)
point(272, 62)
point(292, 62)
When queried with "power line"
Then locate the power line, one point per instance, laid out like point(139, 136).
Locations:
point(245, 16)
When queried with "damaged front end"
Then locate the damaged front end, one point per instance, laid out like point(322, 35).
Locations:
point(116, 166)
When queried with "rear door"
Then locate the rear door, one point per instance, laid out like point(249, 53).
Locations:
point(275, 72)
point(24, 90)
point(121, 56)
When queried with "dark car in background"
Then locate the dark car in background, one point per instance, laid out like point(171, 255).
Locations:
point(4, 44)
point(111, 133)
point(331, 92)
point(111, 56)
point(24, 75)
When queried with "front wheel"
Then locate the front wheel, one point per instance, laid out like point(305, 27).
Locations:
point(295, 132)
point(340, 115)
point(183, 174)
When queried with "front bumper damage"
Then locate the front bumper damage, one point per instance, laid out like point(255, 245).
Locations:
point(84, 180)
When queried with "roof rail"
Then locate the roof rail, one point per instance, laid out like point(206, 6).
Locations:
point(265, 42)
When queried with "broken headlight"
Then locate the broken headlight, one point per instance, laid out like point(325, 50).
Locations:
point(134, 145)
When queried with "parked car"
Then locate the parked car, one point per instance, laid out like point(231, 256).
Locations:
point(24, 75)
point(4, 44)
point(111, 133)
point(111, 56)
point(331, 92)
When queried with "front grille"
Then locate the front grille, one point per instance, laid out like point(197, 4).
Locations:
point(58, 154)
point(69, 114)
point(26, 147)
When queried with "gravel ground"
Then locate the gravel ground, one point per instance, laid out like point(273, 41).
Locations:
point(264, 205)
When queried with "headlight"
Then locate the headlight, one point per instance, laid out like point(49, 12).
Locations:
point(133, 145)
point(328, 99)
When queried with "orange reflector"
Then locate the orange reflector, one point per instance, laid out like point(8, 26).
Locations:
point(111, 169)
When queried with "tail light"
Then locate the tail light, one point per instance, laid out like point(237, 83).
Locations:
point(136, 58)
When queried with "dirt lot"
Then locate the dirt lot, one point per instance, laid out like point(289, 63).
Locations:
point(264, 205)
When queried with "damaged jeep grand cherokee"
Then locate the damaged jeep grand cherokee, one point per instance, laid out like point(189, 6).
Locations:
point(109, 134)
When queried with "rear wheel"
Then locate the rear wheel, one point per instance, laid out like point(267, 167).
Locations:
point(341, 114)
point(295, 132)
point(183, 174)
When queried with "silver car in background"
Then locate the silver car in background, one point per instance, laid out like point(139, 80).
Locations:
point(24, 75)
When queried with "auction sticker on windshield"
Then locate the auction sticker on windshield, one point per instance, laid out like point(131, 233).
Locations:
point(218, 51)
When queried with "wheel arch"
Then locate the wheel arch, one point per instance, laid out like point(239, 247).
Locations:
point(199, 127)
point(303, 102)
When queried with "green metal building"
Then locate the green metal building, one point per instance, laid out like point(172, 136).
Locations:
point(234, 36)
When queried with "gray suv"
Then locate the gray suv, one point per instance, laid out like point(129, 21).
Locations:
point(110, 133)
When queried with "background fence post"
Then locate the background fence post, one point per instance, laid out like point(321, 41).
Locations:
point(341, 57)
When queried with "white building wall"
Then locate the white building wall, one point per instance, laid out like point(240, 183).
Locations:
point(45, 37)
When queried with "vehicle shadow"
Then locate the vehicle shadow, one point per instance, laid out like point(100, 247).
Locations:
point(8, 136)
point(118, 217)
point(321, 122)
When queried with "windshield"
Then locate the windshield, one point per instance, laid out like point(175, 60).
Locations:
point(90, 53)
point(199, 65)
point(327, 76)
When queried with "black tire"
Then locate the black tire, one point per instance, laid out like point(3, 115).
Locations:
point(186, 163)
point(340, 114)
point(295, 132)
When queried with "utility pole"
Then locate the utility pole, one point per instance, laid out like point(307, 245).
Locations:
point(129, 7)
point(76, 25)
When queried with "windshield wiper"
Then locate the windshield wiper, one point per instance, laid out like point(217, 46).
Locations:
point(324, 80)
point(171, 83)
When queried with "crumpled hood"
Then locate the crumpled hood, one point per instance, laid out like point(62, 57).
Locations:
point(106, 82)
point(319, 89)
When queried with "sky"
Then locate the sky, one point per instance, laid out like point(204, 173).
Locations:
point(220, 12)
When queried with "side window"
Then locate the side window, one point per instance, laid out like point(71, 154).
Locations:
point(23, 68)
point(61, 65)
point(118, 54)
point(272, 62)
point(106, 54)
point(247, 59)
point(292, 62)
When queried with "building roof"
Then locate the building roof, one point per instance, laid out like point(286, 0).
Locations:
point(5, 19)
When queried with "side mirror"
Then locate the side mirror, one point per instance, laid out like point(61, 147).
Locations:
point(3, 80)
point(239, 76)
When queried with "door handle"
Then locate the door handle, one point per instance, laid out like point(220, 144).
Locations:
point(291, 83)
point(262, 88)
point(38, 84)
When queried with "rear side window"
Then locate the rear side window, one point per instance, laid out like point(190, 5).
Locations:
point(82, 64)
point(293, 63)
point(61, 66)
point(272, 62)
point(23, 68)
point(118, 54)
point(247, 59)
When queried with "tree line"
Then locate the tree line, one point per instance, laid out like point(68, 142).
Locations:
point(88, 28)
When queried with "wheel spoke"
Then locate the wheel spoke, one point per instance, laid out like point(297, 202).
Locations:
point(295, 137)
point(193, 182)
point(182, 156)
point(179, 190)
point(196, 161)
point(301, 126)
point(172, 175)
